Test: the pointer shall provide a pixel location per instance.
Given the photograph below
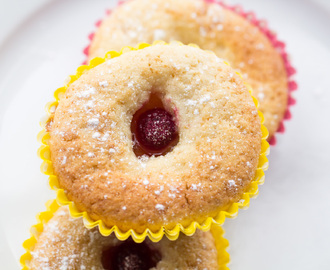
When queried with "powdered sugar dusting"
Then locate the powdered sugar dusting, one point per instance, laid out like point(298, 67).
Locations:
point(93, 123)
point(103, 83)
point(66, 244)
point(160, 207)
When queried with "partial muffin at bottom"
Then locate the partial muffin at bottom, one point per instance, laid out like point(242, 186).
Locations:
point(66, 244)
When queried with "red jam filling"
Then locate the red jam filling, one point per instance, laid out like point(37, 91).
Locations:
point(130, 256)
point(154, 130)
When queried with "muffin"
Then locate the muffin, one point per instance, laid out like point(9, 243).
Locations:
point(231, 36)
point(65, 243)
point(154, 140)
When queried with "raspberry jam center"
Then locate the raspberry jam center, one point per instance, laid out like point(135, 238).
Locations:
point(130, 256)
point(153, 129)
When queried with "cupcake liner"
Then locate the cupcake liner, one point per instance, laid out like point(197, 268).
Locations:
point(52, 206)
point(170, 232)
point(263, 27)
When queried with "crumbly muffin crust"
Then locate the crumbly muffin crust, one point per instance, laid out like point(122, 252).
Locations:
point(211, 166)
point(212, 28)
point(66, 244)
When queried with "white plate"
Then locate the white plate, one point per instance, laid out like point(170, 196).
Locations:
point(287, 227)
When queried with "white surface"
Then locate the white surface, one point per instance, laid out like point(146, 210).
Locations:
point(13, 12)
point(286, 227)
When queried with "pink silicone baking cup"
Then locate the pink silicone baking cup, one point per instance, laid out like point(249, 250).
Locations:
point(271, 35)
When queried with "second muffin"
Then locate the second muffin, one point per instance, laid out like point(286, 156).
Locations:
point(212, 27)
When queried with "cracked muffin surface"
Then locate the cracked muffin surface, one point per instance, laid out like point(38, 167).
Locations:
point(210, 167)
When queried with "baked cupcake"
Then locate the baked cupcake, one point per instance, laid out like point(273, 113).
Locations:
point(155, 139)
point(231, 36)
point(64, 243)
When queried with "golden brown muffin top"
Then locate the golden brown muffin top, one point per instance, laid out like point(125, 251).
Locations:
point(210, 167)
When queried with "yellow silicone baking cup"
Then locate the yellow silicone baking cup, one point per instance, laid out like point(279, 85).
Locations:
point(155, 236)
point(52, 206)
